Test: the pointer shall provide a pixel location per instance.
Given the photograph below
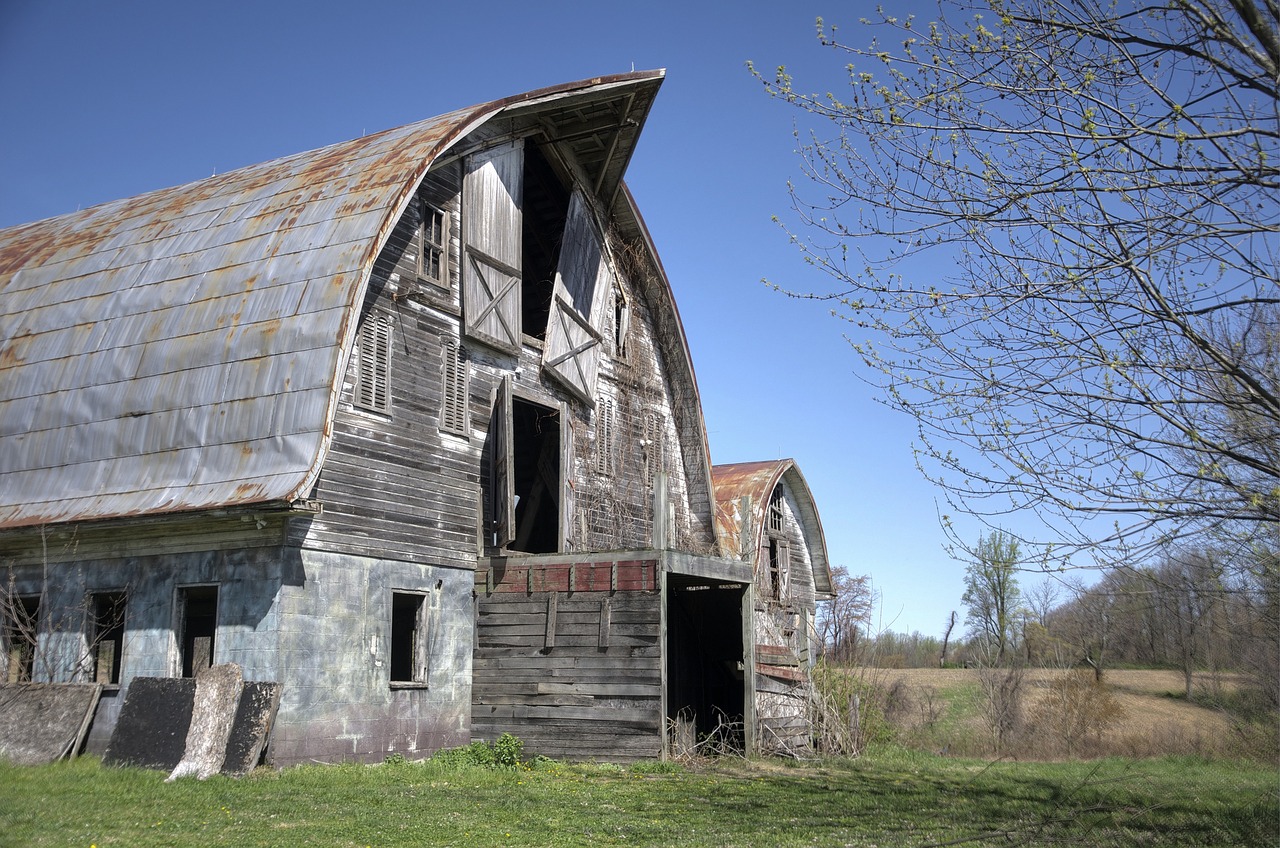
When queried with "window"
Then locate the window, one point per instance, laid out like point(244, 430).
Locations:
point(776, 514)
point(604, 437)
point(21, 619)
point(373, 365)
point(433, 245)
point(779, 568)
point(455, 389)
point(198, 607)
point(106, 636)
point(410, 638)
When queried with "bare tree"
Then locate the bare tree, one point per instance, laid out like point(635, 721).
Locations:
point(1101, 183)
point(843, 621)
point(992, 596)
point(946, 639)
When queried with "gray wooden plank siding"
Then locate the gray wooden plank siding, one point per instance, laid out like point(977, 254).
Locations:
point(395, 486)
point(578, 699)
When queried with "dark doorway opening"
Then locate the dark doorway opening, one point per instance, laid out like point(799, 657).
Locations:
point(107, 648)
point(199, 625)
point(535, 437)
point(706, 671)
point(546, 207)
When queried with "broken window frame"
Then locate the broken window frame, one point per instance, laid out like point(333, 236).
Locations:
point(185, 655)
point(105, 636)
point(411, 613)
point(20, 636)
point(779, 568)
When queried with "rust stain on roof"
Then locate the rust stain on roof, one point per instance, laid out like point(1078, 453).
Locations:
point(148, 320)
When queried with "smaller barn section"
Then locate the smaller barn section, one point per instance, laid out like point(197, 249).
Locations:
point(765, 513)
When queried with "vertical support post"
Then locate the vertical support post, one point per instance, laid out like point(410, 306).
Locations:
point(550, 638)
point(661, 509)
point(606, 616)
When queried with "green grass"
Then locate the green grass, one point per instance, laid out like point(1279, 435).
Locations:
point(890, 797)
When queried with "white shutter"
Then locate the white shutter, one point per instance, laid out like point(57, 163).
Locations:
point(578, 305)
point(491, 227)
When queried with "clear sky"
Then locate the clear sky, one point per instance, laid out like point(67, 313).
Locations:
point(102, 100)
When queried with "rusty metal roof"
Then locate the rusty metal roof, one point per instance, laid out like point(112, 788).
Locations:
point(184, 349)
point(756, 481)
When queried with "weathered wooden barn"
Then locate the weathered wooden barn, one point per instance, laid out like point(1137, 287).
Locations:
point(407, 424)
point(766, 515)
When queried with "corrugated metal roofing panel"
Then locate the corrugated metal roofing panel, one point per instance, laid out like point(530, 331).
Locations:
point(183, 349)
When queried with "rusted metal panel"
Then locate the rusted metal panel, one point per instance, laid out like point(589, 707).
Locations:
point(752, 484)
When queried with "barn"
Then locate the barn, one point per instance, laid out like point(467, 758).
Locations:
point(408, 425)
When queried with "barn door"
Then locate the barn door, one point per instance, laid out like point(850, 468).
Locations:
point(574, 339)
point(502, 466)
point(491, 203)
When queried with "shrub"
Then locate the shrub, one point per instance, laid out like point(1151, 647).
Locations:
point(1002, 696)
point(1076, 708)
point(507, 750)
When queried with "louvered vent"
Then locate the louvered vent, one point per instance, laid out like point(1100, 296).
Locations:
point(604, 436)
point(456, 389)
point(373, 366)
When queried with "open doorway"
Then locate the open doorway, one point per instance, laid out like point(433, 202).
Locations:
point(535, 431)
point(706, 671)
point(526, 477)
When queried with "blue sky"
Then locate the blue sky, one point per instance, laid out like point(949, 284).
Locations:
point(106, 100)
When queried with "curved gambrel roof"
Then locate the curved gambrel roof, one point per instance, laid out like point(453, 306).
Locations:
point(184, 349)
point(756, 481)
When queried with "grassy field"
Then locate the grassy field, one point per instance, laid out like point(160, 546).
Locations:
point(941, 708)
point(889, 797)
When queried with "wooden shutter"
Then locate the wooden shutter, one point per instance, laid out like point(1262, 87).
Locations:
point(491, 203)
point(604, 437)
point(373, 365)
point(578, 308)
point(502, 471)
point(455, 389)
point(422, 641)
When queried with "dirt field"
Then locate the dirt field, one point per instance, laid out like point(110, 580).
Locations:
point(1153, 717)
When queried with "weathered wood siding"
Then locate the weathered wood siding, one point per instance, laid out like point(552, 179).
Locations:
point(396, 485)
point(783, 642)
point(569, 658)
